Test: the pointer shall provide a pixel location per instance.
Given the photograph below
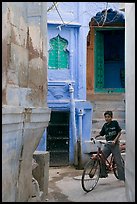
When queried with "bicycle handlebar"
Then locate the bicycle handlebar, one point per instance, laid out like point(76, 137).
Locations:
point(99, 143)
point(95, 140)
point(105, 142)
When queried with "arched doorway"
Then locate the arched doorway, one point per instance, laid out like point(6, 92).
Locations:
point(105, 54)
point(106, 67)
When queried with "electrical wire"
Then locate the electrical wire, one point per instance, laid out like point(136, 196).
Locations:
point(103, 18)
point(58, 13)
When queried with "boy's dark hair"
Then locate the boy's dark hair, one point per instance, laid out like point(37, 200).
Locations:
point(109, 113)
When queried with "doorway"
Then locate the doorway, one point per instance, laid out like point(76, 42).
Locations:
point(109, 60)
point(58, 138)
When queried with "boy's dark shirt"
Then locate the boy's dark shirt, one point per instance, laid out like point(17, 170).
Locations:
point(110, 130)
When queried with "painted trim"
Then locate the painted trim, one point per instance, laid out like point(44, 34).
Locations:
point(66, 23)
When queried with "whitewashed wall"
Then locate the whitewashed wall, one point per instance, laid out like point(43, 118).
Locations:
point(130, 100)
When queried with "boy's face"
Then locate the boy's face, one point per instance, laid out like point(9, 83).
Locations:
point(108, 118)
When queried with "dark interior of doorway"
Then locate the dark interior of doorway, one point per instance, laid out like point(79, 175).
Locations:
point(110, 60)
point(114, 59)
point(58, 138)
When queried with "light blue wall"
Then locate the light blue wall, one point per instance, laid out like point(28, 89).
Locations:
point(76, 16)
point(72, 24)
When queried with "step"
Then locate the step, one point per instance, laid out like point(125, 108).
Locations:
point(116, 114)
point(98, 123)
point(108, 105)
point(96, 132)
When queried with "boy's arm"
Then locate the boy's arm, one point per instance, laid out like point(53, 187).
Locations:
point(119, 132)
point(97, 136)
point(117, 137)
point(101, 133)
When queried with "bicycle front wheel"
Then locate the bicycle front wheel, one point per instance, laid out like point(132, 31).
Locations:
point(90, 175)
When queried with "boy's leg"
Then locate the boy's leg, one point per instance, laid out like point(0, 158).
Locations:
point(117, 156)
point(106, 150)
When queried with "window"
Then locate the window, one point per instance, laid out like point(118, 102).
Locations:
point(58, 54)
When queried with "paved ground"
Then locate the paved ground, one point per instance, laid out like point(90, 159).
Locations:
point(65, 186)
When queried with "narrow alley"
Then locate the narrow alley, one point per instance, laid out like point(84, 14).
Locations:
point(64, 64)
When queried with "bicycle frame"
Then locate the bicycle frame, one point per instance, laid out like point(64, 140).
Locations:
point(100, 156)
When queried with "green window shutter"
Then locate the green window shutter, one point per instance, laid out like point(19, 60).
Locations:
point(58, 54)
point(99, 60)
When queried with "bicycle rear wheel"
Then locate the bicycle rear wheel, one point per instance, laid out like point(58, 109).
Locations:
point(90, 175)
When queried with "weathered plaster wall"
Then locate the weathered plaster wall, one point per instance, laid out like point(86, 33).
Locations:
point(130, 100)
point(24, 62)
point(25, 114)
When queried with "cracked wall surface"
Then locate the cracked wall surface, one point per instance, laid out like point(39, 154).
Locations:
point(25, 114)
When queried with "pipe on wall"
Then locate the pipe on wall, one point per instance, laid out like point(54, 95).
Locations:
point(73, 120)
point(80, 114)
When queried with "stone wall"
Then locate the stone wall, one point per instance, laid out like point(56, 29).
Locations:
point(25, 114)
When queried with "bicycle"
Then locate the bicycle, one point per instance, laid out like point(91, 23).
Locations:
point(92, 169)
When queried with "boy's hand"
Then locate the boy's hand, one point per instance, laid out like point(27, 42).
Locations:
point(97, 136)
point(113, 142)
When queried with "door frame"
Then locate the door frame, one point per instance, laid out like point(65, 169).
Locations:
point(101, 89)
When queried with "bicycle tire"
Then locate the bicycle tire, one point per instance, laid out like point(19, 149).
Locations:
point(115, 167)
point(90, 175)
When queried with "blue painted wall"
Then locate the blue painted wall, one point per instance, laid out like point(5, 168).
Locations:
point(73, 25)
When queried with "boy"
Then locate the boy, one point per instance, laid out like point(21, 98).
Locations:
point(112, 132)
